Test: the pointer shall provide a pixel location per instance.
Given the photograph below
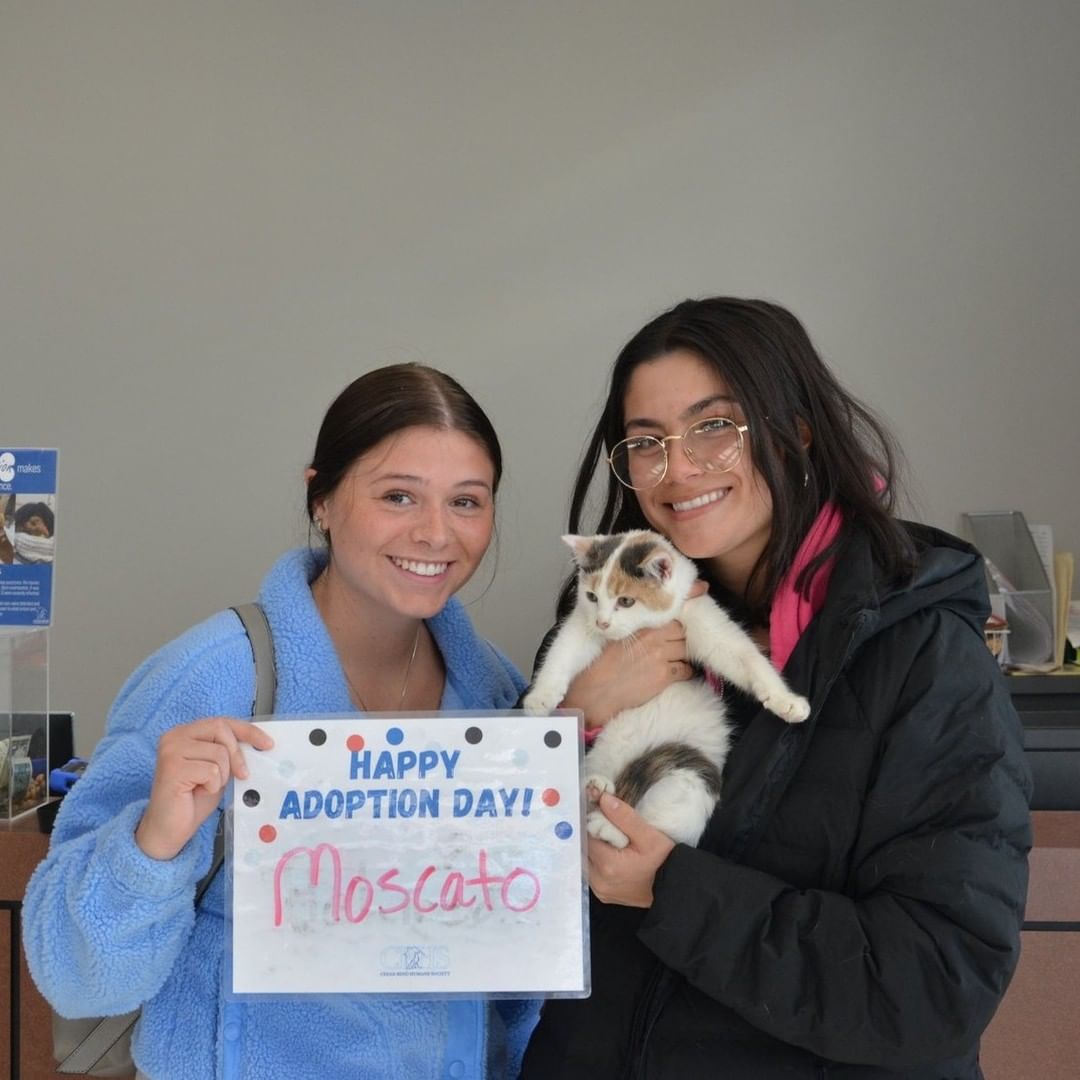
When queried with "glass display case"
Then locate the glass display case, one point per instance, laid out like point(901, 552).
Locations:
point(24, 728)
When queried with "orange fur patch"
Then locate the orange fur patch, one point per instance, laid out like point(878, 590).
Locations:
point(646, 591)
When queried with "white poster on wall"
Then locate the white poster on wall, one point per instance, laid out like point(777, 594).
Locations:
point(429, 854)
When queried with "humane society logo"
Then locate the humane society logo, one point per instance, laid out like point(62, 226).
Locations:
point(23, 470)
point(414, 960)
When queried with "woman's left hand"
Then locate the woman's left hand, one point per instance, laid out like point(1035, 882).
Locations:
point(625, 875)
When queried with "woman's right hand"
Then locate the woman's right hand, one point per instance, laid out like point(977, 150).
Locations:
point(194, 763)
point(629, 673)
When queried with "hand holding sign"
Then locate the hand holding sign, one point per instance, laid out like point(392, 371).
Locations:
point(195, 761)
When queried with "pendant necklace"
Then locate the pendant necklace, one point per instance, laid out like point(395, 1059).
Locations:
point(404, 684)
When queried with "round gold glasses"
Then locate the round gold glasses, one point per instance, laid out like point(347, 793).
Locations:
point(713, 445)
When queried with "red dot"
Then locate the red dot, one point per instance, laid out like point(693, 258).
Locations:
point(550, 797)
point(355, 742)
point(268, 834)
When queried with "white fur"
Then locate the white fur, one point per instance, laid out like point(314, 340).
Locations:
point(679, 804)
point(685, 712)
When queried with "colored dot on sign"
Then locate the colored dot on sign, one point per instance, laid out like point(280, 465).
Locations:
point(394, 736)
point(552, 739)
point(550, 797)
point(268, 834)
point(317, 737)
point(473, 735)
point(251, 797)
point(564, 830)
point(355, 742)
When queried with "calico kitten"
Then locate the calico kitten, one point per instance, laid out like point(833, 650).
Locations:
point(665, 757)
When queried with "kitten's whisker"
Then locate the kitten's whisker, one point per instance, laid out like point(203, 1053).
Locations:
point(631, 643)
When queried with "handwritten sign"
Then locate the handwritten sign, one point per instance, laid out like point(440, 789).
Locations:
point(427, 855)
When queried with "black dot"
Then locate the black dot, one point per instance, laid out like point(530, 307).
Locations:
point(552, 739)
point(473, 735)
point(317, 737)
point(251, 797)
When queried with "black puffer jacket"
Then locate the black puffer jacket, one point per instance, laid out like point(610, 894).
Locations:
point(854, 907)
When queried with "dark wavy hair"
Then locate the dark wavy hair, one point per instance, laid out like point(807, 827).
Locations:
point(384, 402)
point(764, 355)
point(35, 509)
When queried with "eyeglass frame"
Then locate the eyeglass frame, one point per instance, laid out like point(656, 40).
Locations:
point(740, 430)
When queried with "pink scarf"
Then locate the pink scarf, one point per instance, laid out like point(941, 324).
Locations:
point(791, 611)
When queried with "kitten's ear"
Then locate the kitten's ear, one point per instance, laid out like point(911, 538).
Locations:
point(659, 565)
point(579, 545)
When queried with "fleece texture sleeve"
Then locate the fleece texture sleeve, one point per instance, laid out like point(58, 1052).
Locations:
point(104, 923)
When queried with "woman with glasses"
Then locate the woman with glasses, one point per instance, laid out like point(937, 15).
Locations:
point(854, 906)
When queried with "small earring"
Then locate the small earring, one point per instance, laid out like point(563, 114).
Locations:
point(806, 478)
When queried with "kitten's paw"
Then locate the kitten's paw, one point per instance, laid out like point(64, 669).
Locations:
point(541, 700)
point(788, 706)
point(599, 826)
point(599, 784)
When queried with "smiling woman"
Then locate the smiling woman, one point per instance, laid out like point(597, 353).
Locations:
point(664, 394)
point(853, 906)
point(402, 487)
point(406, 524)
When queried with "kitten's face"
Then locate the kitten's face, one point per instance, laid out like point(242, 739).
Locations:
point(628, 582)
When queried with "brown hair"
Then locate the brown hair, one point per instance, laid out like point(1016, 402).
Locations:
point(386, 401)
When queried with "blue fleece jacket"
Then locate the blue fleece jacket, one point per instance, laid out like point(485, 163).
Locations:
point(107, 928)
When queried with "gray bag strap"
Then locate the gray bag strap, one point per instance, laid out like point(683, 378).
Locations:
point(110, 1029)
point(262, 648)
point(99, 1040)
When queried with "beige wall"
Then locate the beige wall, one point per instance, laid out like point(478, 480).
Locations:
point(216, 214)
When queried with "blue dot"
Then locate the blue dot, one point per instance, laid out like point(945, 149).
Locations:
point(394, 736)
point(520, 758)
point(564, 830)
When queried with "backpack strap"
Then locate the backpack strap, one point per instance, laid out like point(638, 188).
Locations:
point(262, 648)
point(101, 1038)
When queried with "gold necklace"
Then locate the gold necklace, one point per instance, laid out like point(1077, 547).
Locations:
point(404, 684)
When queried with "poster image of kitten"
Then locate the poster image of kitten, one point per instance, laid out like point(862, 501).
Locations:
point(666, 757)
